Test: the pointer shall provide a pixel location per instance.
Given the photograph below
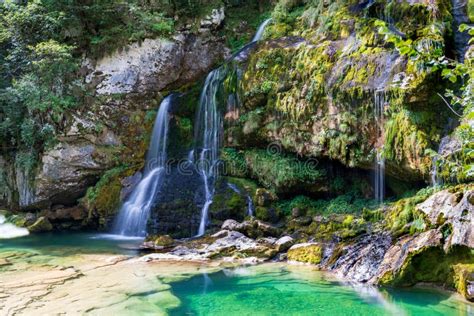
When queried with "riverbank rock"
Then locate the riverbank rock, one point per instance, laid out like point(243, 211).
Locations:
point(455, 210)
point(306, 253)
point(464, 280)
point(252, 228)
point(158, 242)
point(397, 256)
point(360, 260)
point(41, 225)
point(284, 243)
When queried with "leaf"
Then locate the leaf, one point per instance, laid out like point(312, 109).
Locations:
point(446, 72)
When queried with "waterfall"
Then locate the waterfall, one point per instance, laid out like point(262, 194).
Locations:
point(134, 213)
point(379, 181)
point(435, 180)
point(460, 16)
point(207, 139)
point(208, 132)
point(258, 35)
point(8, 230)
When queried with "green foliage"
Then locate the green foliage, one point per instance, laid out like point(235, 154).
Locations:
point(104, 198)
point(279, 171)
point(343, 204)
point(234, 162)
point(38, 78)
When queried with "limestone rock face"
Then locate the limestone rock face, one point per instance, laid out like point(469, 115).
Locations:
point(396, 256)
point(155, 64)
point(445, 207)
point(462, 221)
point(360, 261)
point(439, 204)
point(67, 171)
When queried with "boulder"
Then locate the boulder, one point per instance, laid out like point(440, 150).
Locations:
point(214, 20)
point(67, 171)
point(307, 253)
point(406, 247)
point(231, 224)
point(360, 260)
point(447, 208)
point(41, 225)
point(158, 242)
point(461, 219)
point(464, 280)
point(284, 243)
point(264, 197)
point(437, 206)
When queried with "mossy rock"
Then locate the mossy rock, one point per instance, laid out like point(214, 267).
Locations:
point(267, 214)
point(41, 225)
point(307, 253)
point(164, 241)
point(464, 280)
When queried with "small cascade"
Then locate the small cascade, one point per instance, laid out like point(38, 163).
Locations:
point(134, 213)
point(208, 131)
point(8, 230)
point(26, 195)
point(379, 179)
point(258, 35)
point(250, 206)
point(460, 16)
point(435, 180)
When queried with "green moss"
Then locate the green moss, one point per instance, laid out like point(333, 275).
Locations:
point(430, 265)
point(103, 199)
point(311, 253)
point(470, 10)
point(234, 163)
point(463, 273)
point(279, 171)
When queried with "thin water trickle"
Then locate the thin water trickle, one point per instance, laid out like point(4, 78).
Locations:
point(134, 213)
point(379, 179)
point(250, 206)
point(435, 179)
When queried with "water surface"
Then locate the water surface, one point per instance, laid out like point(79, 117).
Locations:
point(286, 290)
point(78, 273)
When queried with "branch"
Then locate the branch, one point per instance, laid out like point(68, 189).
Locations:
point(449, 105)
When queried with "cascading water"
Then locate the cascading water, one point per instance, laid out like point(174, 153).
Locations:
point(134, 213)
point(258, 35)
point(435, 180)
point(379, 179)
point(250, 206)
point(207, 139)
point(209, 125)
